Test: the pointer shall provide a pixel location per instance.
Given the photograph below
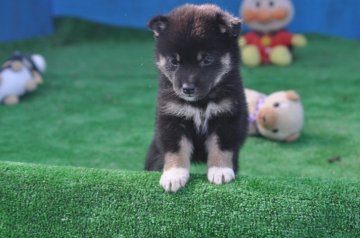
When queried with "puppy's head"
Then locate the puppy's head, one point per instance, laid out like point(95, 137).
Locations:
point(196, 46)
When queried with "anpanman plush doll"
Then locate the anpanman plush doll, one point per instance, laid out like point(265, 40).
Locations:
point(268, 42)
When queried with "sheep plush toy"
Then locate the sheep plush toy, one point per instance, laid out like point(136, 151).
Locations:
point(278, 116)
point(19, 74)
point(268, 42)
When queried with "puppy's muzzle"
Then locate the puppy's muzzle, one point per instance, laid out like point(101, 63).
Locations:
point(188, 89)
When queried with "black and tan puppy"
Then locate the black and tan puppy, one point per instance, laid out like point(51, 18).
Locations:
point(201, 110)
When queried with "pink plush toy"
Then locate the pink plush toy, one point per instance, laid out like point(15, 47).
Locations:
point(278, 116)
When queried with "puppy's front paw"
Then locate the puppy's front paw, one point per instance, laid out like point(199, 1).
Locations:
point(174, 179)
point(218, 175)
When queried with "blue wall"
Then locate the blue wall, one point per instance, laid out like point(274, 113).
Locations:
point(332, 17)
point(26, 18)
point(133, 13)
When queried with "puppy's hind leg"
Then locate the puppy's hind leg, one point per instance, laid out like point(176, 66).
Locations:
point(154, 160)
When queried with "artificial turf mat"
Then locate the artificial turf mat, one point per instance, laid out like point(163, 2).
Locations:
point(43, 201)
point(96, 110)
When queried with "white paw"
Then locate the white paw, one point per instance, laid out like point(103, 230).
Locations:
point(219, 175)
point(174, 179)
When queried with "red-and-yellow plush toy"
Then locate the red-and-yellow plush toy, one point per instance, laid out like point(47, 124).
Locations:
point(268, 42)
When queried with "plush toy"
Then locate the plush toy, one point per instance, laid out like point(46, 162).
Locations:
point(278, 116)
point(20, 74)
point(268, 42)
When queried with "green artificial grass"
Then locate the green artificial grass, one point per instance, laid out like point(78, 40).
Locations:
point(96, 110)
point(79, 202)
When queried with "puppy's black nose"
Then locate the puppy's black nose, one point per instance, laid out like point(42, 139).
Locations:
point(188, 89)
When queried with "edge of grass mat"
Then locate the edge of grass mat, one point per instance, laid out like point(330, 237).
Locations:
point(49, 201)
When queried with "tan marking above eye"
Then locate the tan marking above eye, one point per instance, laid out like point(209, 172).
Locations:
point(176, 56)
point(200, 56)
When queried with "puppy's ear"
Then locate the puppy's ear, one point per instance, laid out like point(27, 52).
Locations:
point(229, 24)
point(158, 24)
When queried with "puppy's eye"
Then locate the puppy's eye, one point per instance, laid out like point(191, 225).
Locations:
point(276, 104)
point(174, 61)
point(258, 4)
point(275, 130)
point(271, 3)
point(206, 60)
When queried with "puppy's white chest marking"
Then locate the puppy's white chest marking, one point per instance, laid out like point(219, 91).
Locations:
point(199, 116)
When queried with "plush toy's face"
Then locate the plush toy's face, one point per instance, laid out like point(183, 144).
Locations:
point(267, 15)
point(40, 62)
point(281, 117)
